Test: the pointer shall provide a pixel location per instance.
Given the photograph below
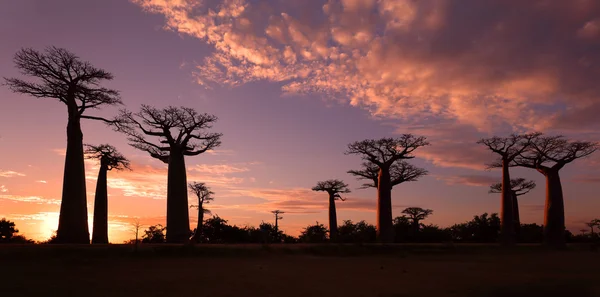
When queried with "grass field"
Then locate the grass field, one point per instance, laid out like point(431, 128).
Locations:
point(298, 270)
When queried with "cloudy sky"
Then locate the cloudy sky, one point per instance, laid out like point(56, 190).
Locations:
point(293, 82)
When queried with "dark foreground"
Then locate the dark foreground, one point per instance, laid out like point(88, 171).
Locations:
point(304, 270)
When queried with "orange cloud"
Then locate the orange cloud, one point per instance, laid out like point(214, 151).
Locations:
point(10, 173)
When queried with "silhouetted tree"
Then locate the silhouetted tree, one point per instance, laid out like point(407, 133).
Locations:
point(271, 233)
point(181, 132)
point(518, 187)
point(314, 234)
point(204, 195)
point(7, 230)
point(416, 215)
point(154, 234)
point(547, 155)
point(361, 232)
point(110, 159)
point(400, 172)
point(333, 187)
point(483, 228)
point(136, 224)
point(591, 224)
point(531, 233)
point(63, 76)
point(277, 218)
point(508, 148)
point(384, 153)
point(403, 229)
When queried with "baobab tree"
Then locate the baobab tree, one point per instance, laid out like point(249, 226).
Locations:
point(518, 187)
point(181, 132)
point(507, 148)
point(205, 196)
point(277, 214)
point(548, 155)
point(333, 187)
point(384, 153)
point(416, 215)
point(592, 224)
point(109, 159)
point(62, 75)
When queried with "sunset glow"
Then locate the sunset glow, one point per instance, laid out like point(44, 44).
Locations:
point(292, 84)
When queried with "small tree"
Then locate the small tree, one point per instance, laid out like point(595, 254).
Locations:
point(591, 224)
point(7, 230)
point(416, 215)
point(136, 225)
point(333, 187)
point(316, 233)
point(154, 234)
point(548, 155)
point(65, 77)
point(518, 187)
point(110, 159)
point(277, 214)
point(205, 196)
point(507, 148)
point(181, 132)
point(384, 153)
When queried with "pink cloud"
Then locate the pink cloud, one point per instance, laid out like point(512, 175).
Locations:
point(9, 173)
point(470, 180)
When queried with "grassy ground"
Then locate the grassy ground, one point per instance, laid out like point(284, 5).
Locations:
point(299, 270)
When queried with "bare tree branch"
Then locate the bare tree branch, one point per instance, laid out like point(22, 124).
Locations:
point(333, 187)
point(108, 156)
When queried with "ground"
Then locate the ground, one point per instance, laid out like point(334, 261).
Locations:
point(45, 270)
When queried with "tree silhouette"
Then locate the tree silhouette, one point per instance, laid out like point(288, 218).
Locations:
point(136, 225)
point(154, 234)
point(333, 187)
point(64, 76)
point(416, 215)
point(7, 230)
point(357, 233)
point(384, 153)
point(109, 159)
point(591, 224)
point(548, 155)
point(181, 132)
point(508, 148)
point(518, 187)
point(316, 233)
point(277, 218)
point(205, 196)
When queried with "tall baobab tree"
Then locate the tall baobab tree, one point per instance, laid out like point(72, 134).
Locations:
point(109, 159)
point(548, 155)
point(592, 224)
point(384, 153)
point(63, 76)
point(205, 196)
point(277, 214)
point(416, 215)
point(518, 187)
point(333, 187)
point(507, 148)
point(181, 132)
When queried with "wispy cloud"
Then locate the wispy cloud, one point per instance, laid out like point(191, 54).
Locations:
point(469, 180)
point(3, 189)
point(9, 173)
point(41, 181)
point(30, 199)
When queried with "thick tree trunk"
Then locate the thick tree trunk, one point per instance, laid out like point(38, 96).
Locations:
point(385, 229)
point(100, 229)
point(333, 230)
point(415, 227)
point(516, 215)
point(73, 219)
point(554, 214)
point(507, 228)
point(198, 234)
point(178, 220)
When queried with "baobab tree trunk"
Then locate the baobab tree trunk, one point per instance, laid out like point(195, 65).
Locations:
point(100, 229)
point(178, 220)
point(507, 228)
point(385, 231)
point(333, 230)
point(516, 216)
point(554, 214)
point(198, 234)
point(73, 219)
point(415, 227)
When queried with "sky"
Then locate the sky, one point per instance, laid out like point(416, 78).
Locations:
point(292, 83)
